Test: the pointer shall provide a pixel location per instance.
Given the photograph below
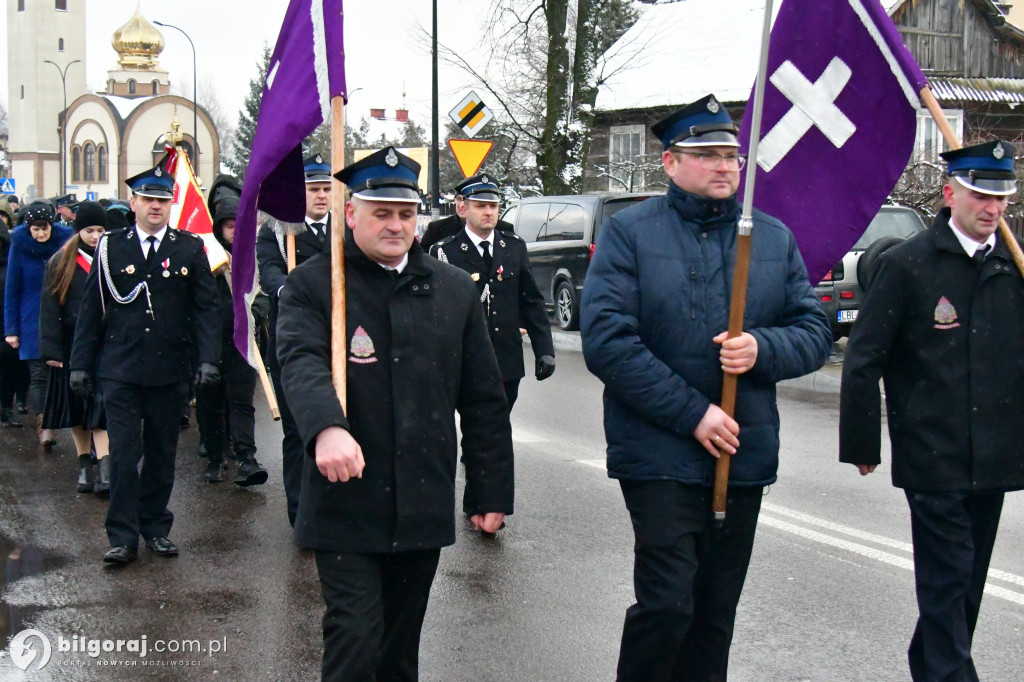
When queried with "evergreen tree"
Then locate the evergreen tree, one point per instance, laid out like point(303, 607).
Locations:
point(238, 159)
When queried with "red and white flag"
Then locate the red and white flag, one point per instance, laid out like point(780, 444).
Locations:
point(188, 208)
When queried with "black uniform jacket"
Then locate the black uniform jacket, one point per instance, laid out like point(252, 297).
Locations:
point(946, 336)
point(57, 322)
point(129, 344)
point(513, 299)
point(273, 267)
point(417, 352)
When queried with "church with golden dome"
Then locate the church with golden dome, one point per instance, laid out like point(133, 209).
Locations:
point(90, 147)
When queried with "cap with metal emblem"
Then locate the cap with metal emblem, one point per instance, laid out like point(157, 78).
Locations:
point(385, 175)
point(986, 168)
point(704, 123)
point(154, 182)
point(316, 169)
point(479, 188)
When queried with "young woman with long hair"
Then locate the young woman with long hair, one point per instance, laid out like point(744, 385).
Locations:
point(63, 289)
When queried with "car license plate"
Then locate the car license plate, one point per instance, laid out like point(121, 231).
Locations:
point(847, 315)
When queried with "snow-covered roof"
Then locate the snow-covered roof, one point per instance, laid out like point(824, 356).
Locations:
point(125, 105)
point(681, 51)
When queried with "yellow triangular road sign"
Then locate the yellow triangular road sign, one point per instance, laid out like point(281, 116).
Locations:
point(470, 154)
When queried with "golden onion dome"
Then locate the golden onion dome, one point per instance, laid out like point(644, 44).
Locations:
point(138, 43)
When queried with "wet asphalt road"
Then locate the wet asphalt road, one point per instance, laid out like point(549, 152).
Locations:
point(829, 595)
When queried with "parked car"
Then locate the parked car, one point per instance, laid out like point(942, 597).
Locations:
point(842, 289)
point(560, 233)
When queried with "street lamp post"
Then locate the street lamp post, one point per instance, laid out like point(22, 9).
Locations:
point(63, 122)
point(195, 115)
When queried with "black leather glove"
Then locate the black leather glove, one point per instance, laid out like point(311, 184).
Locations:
point(81, 384)
point(208, 375)
point(545, 367)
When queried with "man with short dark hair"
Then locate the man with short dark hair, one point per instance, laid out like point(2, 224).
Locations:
point(379, 477)
point(655, 320)
point(149, 292)
point(499, 264)
point(942, 324)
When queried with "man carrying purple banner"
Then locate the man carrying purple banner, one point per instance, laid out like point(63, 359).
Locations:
point(654, 319)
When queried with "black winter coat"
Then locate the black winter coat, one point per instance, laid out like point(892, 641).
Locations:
point(57, 322)
point(946, 335)
point(417, 352)
point(128, 344)
point(513, 298)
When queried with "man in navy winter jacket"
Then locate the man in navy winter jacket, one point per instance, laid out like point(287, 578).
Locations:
point(654, 319)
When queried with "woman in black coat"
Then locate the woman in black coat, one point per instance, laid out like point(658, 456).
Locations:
point(63, 289)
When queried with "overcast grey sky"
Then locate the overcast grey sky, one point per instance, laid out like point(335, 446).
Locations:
point(383, 52)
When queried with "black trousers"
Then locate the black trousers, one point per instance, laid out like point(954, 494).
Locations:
point(954, 533)
point(143, 424)
point(375, 609)
point(687, 576)
point(292, 449)
point(511, 392)
point(13, 376)
point(227, 408)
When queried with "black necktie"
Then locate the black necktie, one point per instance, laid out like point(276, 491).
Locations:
point(486, 246)
point(979, 255)
point(320, 230)
point(151, 256)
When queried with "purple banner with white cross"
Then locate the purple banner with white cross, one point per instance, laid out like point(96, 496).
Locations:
point(838, 124)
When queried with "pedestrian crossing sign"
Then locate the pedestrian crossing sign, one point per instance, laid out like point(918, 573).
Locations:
point(7, 185)
point(471, 114)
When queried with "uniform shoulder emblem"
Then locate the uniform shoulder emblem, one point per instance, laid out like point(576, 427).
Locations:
point(445, 242)
point(510, 234)
point(193, 235)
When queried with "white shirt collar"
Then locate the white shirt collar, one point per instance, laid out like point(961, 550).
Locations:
point(398, 268)
point(969, 245)
point(143, 236)
point(322, 221)
point(477, 241)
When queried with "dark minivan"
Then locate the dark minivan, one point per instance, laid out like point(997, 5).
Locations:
point(560, 233)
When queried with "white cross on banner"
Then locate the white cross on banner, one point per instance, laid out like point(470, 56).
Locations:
point(813, 105)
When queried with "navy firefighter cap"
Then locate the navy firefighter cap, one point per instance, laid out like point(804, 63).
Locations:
point(985, 168)
point(155, 182)
point(385, 175)
point(704, 123)
point(316, 169)
point(479, 188)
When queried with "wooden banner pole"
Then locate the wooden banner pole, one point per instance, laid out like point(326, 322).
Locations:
point(338, 330)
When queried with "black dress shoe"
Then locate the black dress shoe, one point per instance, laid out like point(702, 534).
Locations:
point(7, 420)
point(122, 555)
point(215, 471)
point(162, 546)
point(250, 473)
point(22, 408)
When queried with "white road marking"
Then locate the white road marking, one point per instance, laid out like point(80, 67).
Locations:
point(857, 548)
point(596, 463)
point(523, 436)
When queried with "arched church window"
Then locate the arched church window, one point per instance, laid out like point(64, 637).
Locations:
point(131, 87)
point(89, 162)
point(101, 154)
point(60, 44)
point(76, 163)
point(21, 5)
point(156, 87)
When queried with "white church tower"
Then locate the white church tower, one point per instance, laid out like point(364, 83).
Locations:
point(45, 39)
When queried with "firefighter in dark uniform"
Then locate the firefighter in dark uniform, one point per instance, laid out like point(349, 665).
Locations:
point(942, 325)
point(273, 267)
point(150, 291)
point(379, 479)
point(439, 230)
point(498, 263)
